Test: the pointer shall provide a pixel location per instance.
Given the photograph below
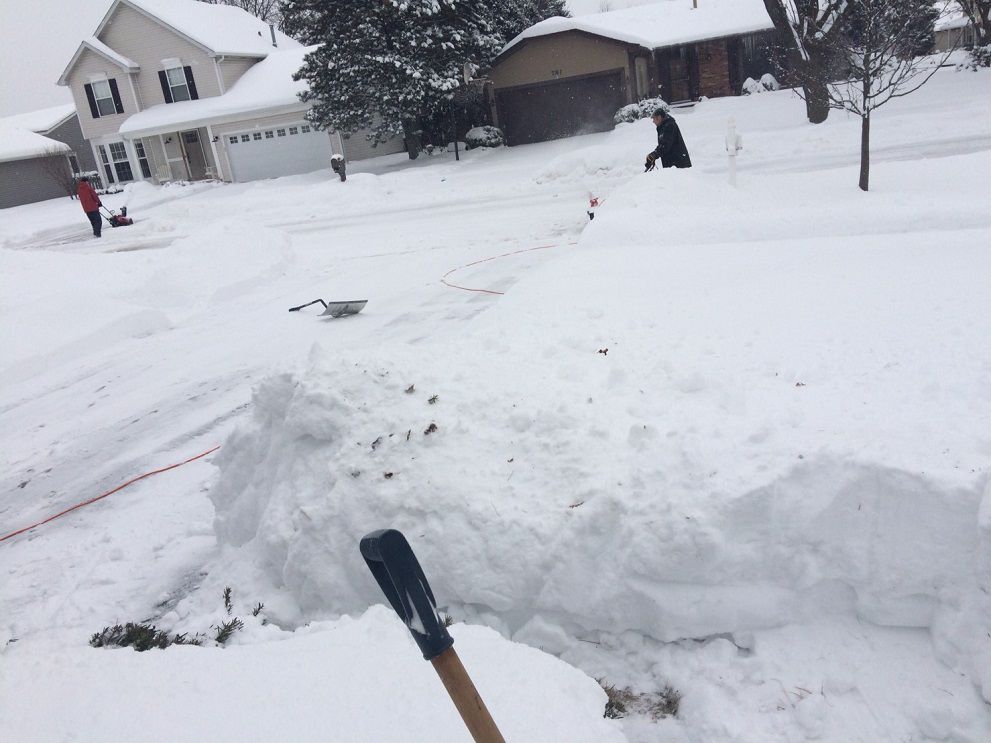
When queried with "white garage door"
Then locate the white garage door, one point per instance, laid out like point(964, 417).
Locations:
point(282, 150)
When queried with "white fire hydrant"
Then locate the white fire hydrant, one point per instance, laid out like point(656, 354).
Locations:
point(734, 143)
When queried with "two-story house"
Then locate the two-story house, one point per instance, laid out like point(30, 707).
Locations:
point(183, 90)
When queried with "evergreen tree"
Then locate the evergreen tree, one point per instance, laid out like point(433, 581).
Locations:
point(383, 64)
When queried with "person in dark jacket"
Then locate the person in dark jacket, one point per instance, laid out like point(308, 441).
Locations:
point(91, 204)
point(671, 149)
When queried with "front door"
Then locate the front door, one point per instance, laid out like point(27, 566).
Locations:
point(681, 86)
point(192, 151)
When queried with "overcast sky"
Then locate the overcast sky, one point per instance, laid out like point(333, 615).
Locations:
point(38, 37)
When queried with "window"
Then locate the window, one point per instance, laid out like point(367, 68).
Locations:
point(232, 140)
point(177, 84)
point(304, 128)
point(269, 135)
point(73, 162)
point(256, 136)
point(281, 132)
point(139, 148)
point(643, 78)
point(245, 138)
point(106, 164)
point(104, 97)
point(293, 130)
point(121, 164)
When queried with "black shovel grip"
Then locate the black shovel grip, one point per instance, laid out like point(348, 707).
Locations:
point(399, 575)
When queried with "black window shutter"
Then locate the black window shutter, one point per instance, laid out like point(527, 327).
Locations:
point(116, 95)
point(189, 81)
point(166, 90)
point(92, 101)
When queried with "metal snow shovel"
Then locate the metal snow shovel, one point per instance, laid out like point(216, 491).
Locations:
point(336, 309)
point(399, 575)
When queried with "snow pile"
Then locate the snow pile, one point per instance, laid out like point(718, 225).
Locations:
point(767, 83)
point(642, 110)
point(484, 136)
point(674, 446)
point(349, 680)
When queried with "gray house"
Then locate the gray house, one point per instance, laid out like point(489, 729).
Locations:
point(172, 90)
point(39, 152)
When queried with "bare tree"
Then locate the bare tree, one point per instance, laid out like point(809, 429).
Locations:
point(267, 10)
point(808, 30)
point(879, 42)
point(56, 166)
point(979, 13)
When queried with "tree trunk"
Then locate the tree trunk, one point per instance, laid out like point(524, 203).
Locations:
point(412, 140)
point(865, 151)
point(816, 95)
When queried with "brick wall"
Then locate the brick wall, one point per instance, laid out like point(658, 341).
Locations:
point(713, 60)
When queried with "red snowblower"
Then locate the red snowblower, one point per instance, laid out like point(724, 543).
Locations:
point(118, 220)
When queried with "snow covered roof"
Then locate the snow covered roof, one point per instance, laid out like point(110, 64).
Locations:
point(41, 121)
point(265, 88)
point(222, 29)
point(663, 23)
point(94, 44)
point(951, 16)
point(20, 144)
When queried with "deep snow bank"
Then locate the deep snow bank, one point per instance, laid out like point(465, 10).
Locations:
point(348, 680)
point(686, 440)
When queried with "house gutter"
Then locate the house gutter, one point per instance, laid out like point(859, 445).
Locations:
point(216, 68)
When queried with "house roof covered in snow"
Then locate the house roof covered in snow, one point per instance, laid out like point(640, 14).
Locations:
point(41, 121)
point(661, 24)
point(266, 88)
point(220, 29)
point(21, 144)
point(951, 16)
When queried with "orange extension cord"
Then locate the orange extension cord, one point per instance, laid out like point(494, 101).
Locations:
point(444, 280)
point(108, 493)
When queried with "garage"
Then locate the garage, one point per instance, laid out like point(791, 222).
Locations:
point(287, 149)
point(562, 108)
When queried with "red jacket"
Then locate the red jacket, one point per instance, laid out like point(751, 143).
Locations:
point(88, 198)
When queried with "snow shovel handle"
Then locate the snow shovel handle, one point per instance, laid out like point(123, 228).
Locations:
point(465, 697)
point(399, 575)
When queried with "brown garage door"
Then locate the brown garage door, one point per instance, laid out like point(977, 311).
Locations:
point(562, 108)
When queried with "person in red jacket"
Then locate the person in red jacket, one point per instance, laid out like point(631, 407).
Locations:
point(91, 204)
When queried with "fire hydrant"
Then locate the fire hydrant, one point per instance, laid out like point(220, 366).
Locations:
point(340, 166)
point(734, 143)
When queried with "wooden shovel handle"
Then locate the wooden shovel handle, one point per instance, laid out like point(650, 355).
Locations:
point(465, 697)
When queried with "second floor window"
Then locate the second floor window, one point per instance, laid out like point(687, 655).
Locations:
point(103, 97)
point(177, 83)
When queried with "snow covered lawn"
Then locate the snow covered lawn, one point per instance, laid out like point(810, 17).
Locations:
point(732, 441)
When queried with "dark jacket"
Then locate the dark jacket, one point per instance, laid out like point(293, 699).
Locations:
point(88, 198)
point(671, 149)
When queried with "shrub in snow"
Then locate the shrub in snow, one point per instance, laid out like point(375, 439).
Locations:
point(658, 705)
point(767, 82)
point(139, 636)
point(484, 136)
point(980, 56)
point(642, 110)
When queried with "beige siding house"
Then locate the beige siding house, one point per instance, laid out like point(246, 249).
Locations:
point(172, 90)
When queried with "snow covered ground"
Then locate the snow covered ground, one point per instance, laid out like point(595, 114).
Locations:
point(734, 441)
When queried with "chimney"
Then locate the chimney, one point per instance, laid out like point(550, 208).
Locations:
point(271, 28)
point(695, 4)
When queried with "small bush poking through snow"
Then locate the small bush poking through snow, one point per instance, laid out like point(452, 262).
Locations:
point(642, 110)
point(143, 636)
point(767, 82)
point(980, 56)
point(484, 136)
point(139, 636)
point(623, 702)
